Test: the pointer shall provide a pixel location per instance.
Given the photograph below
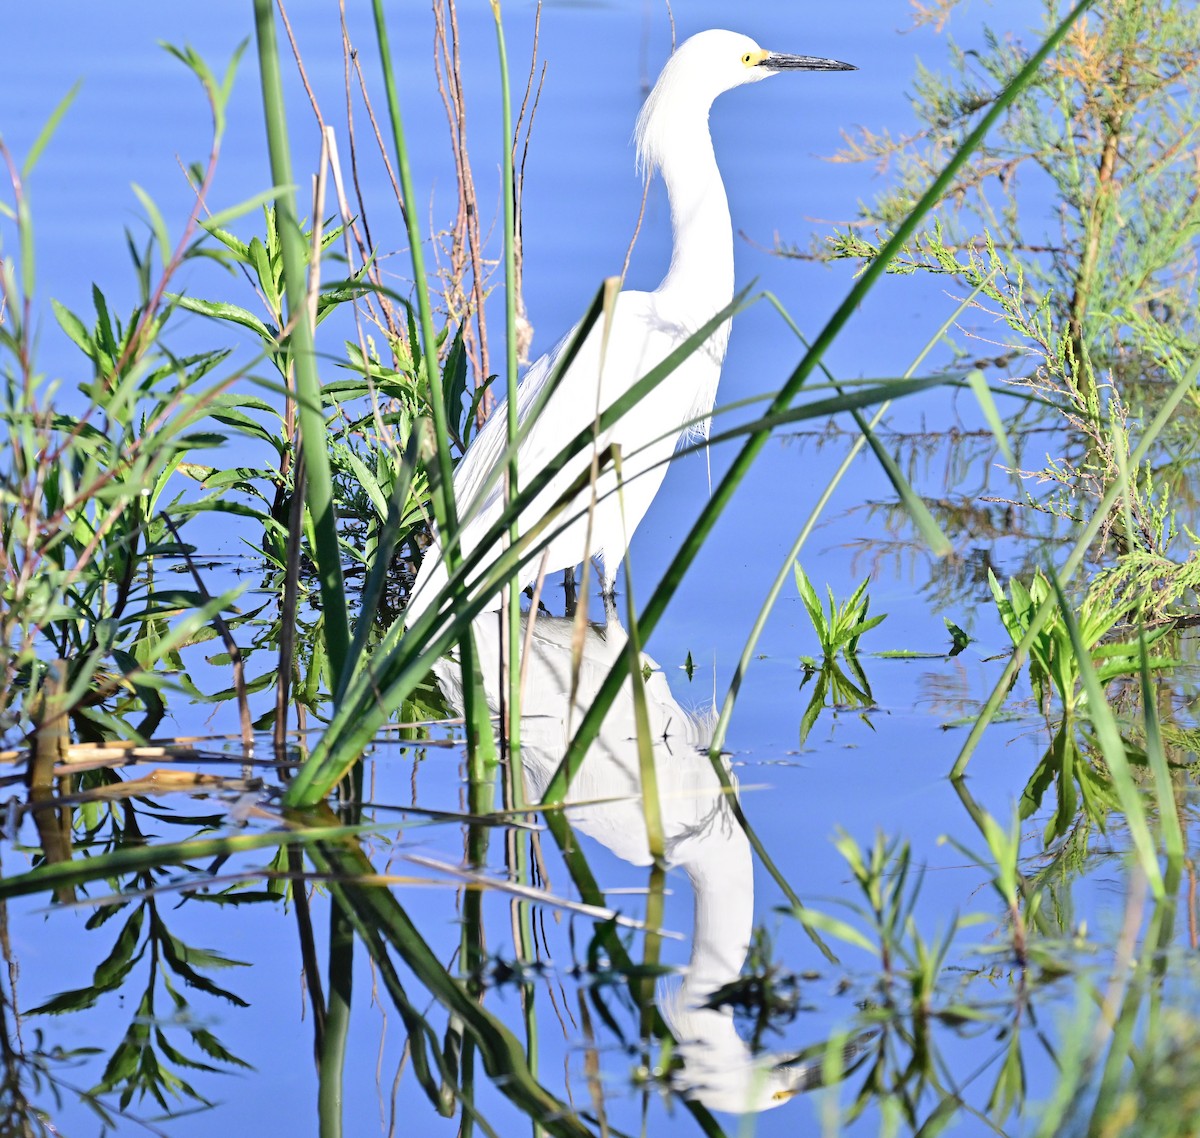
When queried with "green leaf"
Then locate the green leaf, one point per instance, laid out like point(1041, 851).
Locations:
point(176, 956)
point(834, 927)
point(1113, 749)
point(47, 131)
point(978, 385)
point(238, 248)
point(116, 965)
point(958, 638)
point(263, 269)
point(234, 313)
point(157, 225)
point(232, 213)
point(74, 328)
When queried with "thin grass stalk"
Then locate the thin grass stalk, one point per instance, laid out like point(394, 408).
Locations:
point(518, 851)
point(288, 606)
point(1156, 756)
point(518, 863)
point(480, 804)
point(610, 291)
point(528, 1004)
point(331, 1063)
point(481, 744)
point(1068, 568)
point(918, 512)
point(308, 947)
point(1124, 979)
point(318, 481)
point(716, 746)
point(442, 491)
point(1147, 961)
point(466, 1070)
point(721, 496)
point(656, 893)
point(656, 840)
point(336, 1034)
point(136, 859)
point(511, 634)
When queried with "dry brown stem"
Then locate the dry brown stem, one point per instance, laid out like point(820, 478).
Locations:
point(466, 240)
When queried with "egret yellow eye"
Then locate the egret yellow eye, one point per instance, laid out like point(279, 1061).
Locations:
point(748, 58)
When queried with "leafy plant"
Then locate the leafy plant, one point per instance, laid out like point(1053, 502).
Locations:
point(146, 1062)
point(91, 630)
point(1108, 125)
point(1093, 288)
point(838, 626)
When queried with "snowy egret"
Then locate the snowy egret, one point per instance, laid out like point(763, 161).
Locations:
point(672, 137)
point(702, 837)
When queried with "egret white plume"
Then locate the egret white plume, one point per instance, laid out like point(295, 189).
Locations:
point(672, 137)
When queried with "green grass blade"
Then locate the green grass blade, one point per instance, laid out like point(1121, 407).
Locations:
point(318, 477)
point(48, 877)
point(1168, 815)
point(991, 414)
point(651, 801)
point(503, 1058)
point(512, 605)
point(377, 576)
point(47, 131)
point(481, 744)
point(1112, 746)
point(401, 661)
point(931, 533)
point(443, 498)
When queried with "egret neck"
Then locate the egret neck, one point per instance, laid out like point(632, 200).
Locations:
point(701, 273)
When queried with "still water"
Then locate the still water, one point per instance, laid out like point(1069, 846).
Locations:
point(217, 966)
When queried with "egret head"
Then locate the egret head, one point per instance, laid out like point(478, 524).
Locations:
point(703, 67)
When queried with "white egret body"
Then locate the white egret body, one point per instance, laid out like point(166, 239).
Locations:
point(672, 137)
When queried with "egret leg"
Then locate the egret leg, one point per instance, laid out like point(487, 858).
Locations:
point(608, 577)
point(611, 616)
point(570, 598)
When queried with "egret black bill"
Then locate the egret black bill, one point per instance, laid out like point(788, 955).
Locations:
point(778, 62)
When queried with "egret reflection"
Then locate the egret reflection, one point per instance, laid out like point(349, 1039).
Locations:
point(703, 838)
